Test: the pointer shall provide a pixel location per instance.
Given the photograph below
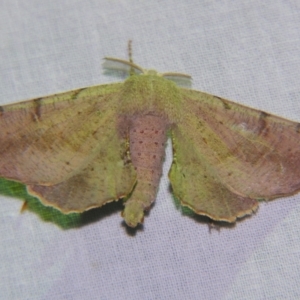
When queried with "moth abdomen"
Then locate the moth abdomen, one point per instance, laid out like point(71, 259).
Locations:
point(147, 138)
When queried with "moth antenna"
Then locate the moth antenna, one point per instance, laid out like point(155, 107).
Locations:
point(131, 72)
point(130, 51)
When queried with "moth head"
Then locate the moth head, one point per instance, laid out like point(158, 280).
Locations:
point(130, 68)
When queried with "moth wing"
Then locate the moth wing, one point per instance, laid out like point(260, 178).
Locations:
point(45, 140)
point(109, 176)
point(67, 148)
point(197, 185)
point(228, 156)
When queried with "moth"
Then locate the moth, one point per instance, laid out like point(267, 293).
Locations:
point(84, 148)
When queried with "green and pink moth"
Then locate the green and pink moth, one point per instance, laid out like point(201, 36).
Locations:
point(84, 148)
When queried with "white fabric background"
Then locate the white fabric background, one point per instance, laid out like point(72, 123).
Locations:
point(246, 51)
